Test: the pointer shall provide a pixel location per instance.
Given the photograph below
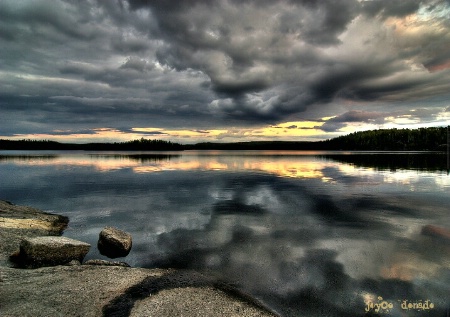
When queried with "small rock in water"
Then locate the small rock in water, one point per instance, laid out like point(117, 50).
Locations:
point(51, 250)
point(114, 243)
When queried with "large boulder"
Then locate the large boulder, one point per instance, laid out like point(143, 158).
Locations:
point(51, 250)
point(114, 243)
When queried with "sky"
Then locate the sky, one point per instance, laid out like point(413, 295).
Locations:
point(191, 71)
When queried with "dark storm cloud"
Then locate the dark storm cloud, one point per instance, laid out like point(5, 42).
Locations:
point(246, 47)
point(398, 8)
point(201, 64)
point(148, 133)
point(41, 18)
point(70, 132)
point(266, 76)
point(326, 20)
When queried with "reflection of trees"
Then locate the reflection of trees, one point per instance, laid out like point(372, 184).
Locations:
point(393, 161)
point(24, 158)
point(152, 157)
point(142, 158)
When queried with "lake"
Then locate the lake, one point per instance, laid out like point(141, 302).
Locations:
point(306, 233)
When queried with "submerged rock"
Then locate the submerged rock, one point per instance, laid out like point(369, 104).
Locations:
point(436, 232)
point(114, 243)
point(50, 251)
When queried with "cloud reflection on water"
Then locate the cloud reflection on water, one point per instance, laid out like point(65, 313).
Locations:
point(320, 253)
point(275, 225)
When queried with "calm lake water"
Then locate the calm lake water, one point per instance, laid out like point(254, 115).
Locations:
point(306, 233)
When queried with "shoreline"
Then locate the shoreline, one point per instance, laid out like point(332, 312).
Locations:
point(104, 290)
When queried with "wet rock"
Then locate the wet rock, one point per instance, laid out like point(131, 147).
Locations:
point(114, 243)
point(50, 251)
point(30, 219)
point(106, 263)
point(73, 263)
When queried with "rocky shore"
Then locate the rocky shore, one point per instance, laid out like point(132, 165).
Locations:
point(97, 287)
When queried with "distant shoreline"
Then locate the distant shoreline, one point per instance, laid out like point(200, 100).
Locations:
point(423, 139)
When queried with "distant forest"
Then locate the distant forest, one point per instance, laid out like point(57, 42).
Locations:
point(423, 139)
point(135, 145)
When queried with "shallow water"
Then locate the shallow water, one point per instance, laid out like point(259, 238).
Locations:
point(307, 233)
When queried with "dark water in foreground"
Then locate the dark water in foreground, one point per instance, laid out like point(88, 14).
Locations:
point(308, 234)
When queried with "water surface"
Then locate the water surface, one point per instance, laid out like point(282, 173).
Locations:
point(307, 233)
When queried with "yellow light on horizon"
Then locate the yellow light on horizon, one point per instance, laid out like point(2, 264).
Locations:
point(282, 131)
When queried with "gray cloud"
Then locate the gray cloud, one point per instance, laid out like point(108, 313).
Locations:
point(69, 132)
point(137, 64)
point(248, 50)
point(378, 118)
point(338, 122)
point(281, 54)
point(146, 133)
point(45, 19)
point(203, 64)
point(397, 8)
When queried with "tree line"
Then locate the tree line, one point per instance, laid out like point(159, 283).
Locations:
point(135, 145)
point(422, 139)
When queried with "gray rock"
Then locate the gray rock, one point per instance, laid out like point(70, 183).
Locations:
point(20, 222)
point(23, 217)
point(106, 263)
point(114, 243)
point(50, 251)
point(93, 291)
point(73, 263)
